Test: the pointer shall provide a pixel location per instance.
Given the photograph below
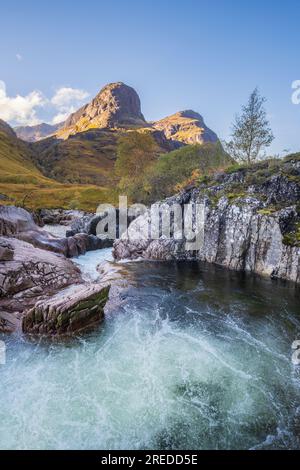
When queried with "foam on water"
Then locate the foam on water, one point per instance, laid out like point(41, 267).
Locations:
point(190, 360)
point(88, 263)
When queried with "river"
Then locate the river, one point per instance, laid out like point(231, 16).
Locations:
point(195, 357)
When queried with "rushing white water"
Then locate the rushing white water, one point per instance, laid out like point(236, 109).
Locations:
point(196, 357)
point(89, 262)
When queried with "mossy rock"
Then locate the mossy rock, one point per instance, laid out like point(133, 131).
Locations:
point(293, 238)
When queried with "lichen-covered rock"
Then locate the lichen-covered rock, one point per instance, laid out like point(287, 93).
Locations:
point(69, 311)
point(251, 223)
point(31, 274)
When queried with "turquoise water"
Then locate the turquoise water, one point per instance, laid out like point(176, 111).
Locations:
point(195, 357)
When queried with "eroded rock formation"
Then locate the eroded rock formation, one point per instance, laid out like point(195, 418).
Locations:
point(251, 223)
point(34, 275)
point(20, 224)
point(69, 311)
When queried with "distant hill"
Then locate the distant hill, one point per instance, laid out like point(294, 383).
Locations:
point(38, 132)
point(187, 127)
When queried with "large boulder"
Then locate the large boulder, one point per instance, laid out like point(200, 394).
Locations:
point(59, 216)
point(89, 224)
point(27, 273)
point(69, 311)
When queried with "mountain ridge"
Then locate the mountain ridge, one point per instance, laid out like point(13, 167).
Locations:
point(37, 132)
point(117, 106)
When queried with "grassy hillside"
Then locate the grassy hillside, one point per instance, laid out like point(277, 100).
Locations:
point(22, 183)
point(16, 164)
point(85, 158)
point(180, 168)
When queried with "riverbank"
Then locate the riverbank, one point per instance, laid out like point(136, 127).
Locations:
point(195, 356)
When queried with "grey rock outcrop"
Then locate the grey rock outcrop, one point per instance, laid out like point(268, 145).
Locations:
point(250, 223)
point(59, 216)
point(69, 311)
point(28, 274)
point(43, 292)
point(6, 251)
point(17, 222)
point(88, 224)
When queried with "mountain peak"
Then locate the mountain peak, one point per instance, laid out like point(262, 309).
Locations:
point(186, 126)
point(116, 105)
point(190, 114)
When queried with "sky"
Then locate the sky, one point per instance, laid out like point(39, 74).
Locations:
point(192, 54)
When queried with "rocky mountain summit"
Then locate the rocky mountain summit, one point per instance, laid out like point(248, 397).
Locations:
point(187, 127)
point(251, 222)
point(116, 106)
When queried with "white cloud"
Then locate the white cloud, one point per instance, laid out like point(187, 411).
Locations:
point(20, 109)
point(60, 117)
point(19, 57)
point(66, 96)
point(24, 110)
point(67, 100)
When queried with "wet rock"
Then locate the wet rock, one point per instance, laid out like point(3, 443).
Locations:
point(70, 311)
point(89, 224)
point(32, 273)
point(14, 220)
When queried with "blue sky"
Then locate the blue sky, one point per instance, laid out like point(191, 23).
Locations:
point(206, 56)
